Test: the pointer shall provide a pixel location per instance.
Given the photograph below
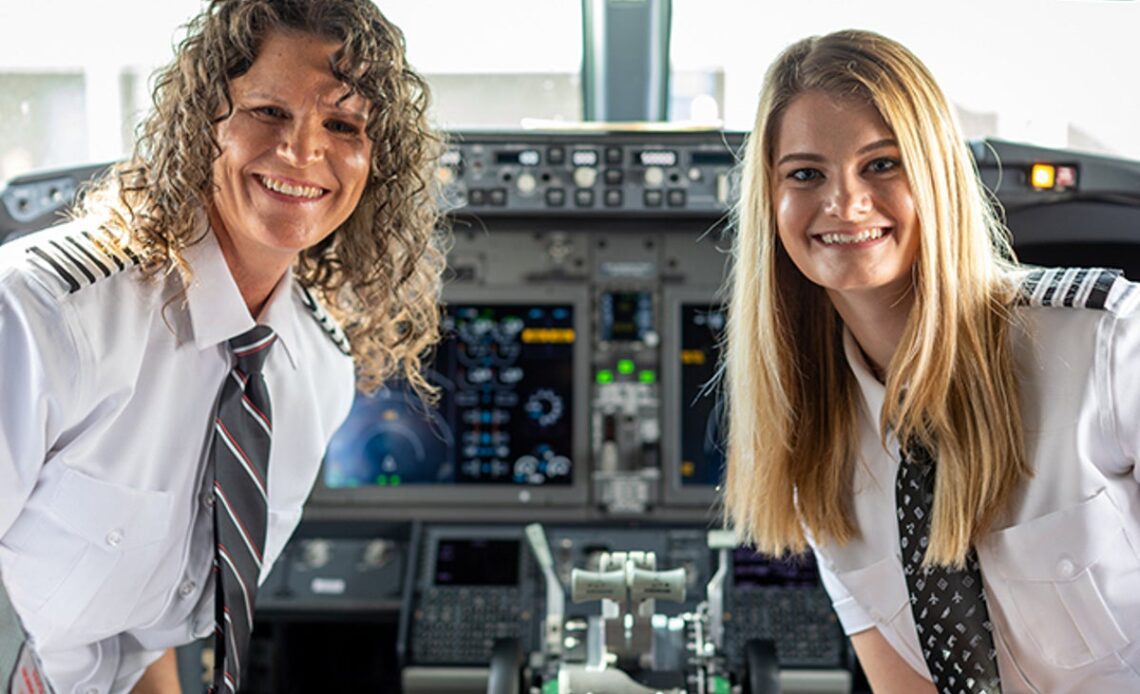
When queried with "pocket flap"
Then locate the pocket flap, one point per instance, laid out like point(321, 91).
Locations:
point(109, 514)
point(1057, 546)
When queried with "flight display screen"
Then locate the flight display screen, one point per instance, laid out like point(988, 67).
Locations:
point(625, 316)
point(505, 373)
point(753, 570)
point(702, 445)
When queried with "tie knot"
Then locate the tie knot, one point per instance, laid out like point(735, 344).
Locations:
point(252, 347)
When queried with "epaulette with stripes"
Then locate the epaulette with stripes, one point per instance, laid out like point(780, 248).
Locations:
point(327, 323)
point(80, 259)
point(1073, 288)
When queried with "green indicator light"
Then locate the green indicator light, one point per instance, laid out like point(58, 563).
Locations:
point(720, 685)
point(625, 366)
point(605, 376)
point(382, 480)
point(394, 480)
point(647, 376)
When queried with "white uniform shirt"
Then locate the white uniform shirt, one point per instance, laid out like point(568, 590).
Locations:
point(107, 395)
point(1062, 568)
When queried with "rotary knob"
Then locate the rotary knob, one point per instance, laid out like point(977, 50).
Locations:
point(585, 176)
point(316, 553)
point(526, 183)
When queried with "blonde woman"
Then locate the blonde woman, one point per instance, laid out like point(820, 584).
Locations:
point(177, 358)
point(955, 437)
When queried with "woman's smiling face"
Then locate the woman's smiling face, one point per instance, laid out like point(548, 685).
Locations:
point(295, 156)
point(844, 210)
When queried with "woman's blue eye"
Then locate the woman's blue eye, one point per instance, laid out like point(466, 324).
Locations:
point(883, 164)
point(804, 175)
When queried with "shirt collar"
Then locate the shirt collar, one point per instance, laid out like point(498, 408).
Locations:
point(874, 393)
point(217, 309)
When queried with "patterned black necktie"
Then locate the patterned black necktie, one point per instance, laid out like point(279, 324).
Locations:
point(949, 607)
point(242, 434)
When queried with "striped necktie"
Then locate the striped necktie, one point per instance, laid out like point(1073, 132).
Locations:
point(949, 606)
point(242, 435)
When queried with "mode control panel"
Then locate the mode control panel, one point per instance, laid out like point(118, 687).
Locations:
point(591, 173)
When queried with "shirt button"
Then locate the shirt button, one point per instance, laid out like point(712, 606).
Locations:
point(114, 538)
point(1066, 568)
point(208, 499)
point(186, 588)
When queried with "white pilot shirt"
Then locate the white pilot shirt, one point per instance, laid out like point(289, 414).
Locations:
point(108, 385)
point(1061, 569)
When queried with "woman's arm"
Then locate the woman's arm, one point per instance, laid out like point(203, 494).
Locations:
point(161, 677)
point(887, 672)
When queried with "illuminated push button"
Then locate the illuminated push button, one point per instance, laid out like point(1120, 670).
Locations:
point(584, 198)
point(1043, 176)
point(654, 176)
point(652, 198)
point(1066, 177)
point(613, 155)
point(613, 198)
point(114, 538)
point(556, 155)
point(499, 197)
point(676, 198)
point(476, 197)
point(614, 177)
point(1066, 568)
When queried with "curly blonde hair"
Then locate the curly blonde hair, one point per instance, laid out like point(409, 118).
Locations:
point(379, 272)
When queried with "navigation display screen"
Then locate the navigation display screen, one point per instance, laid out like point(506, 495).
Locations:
point(505, 373)
point(702, 445)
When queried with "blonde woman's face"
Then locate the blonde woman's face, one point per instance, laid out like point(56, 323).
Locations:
point(295, 157)
point(844, 210)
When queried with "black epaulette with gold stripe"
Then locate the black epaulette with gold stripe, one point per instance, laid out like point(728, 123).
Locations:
point(327, 323)
point(1070, 287)
point(81, 259)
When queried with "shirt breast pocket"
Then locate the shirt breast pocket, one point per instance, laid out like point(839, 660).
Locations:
point(75, 534)
point(1062, 575)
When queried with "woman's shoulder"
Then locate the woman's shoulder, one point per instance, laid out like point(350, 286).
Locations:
point(65, 260)
point(323, 320)
point(1098, 289)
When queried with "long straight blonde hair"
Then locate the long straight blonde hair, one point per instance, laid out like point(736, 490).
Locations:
point(793, 400)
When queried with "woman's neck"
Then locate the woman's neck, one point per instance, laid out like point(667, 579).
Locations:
point(876, 322)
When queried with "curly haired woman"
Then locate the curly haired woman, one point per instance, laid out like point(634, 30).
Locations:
point(178, 356)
